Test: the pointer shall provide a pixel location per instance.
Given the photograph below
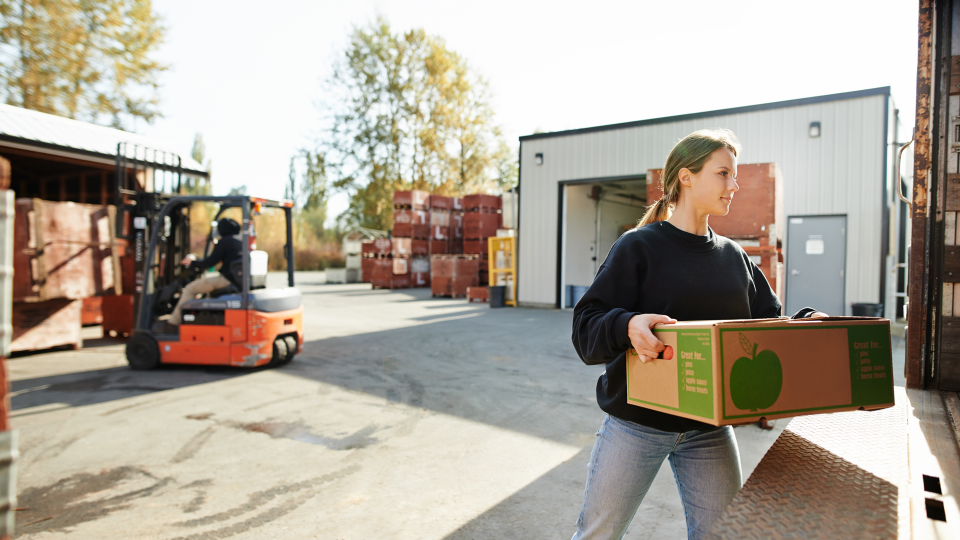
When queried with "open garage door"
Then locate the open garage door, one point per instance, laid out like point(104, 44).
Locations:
point(595, 214)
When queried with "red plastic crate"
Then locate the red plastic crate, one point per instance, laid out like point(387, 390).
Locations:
point(440, 202)
point(478, 226)
point(367, 265)
point(482, 203)
point(379, 247)
point(420, 247)
point(476, 247)
point(453, 266)
point(402, 248)
point(419, 232)
point(479, 294)
point(419, 279)
point(411, 217)
point(411, 199)
point(438, 232)
point(438, 247)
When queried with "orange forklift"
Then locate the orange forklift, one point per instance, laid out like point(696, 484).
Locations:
point(245, 324)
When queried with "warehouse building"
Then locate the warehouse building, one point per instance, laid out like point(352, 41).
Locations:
point(581, 189)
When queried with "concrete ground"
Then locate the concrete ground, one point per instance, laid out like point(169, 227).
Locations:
point(405, 417)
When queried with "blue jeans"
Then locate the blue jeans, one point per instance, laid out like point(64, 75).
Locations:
point(626, 459)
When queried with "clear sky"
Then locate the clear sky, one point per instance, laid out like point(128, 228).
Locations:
point(248, 75)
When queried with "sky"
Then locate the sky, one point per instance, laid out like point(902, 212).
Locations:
point(250, 78)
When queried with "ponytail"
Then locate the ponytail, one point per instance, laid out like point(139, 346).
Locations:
point(659, 211)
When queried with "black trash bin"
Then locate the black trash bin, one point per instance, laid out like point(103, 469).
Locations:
point(498, 296)
point(867, 310)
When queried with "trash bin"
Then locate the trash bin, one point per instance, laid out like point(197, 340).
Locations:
point(574, 293)
point(867, 310)
point(498, 295)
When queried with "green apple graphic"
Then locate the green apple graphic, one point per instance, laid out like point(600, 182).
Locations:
point(755, 382)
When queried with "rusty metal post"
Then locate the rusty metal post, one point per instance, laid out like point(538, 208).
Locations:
point(919, 270)
point(8, 437)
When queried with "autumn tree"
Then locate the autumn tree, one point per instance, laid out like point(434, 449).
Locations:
point(406, 112)
point(84, 59)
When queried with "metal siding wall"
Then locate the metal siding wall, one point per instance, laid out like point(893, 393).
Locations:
point(838, 173)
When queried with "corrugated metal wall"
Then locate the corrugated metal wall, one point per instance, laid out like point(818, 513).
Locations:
point(841, 172)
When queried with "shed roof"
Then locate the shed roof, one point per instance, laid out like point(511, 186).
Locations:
point(884, 90)
point(51, 132)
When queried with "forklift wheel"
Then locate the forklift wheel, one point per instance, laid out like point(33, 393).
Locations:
point(279, 352)
point(143, 352)
point(292, 347)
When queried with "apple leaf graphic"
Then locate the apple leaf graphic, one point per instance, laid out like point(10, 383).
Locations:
point(745, 343)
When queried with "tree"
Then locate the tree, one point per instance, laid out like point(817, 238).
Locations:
point(83, 59)
point(196, 185)
point(406, 112)
point(313, 213)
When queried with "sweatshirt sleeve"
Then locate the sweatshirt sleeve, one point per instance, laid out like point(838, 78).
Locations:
point(215, 256)
point(765, 305)
point(601, 316)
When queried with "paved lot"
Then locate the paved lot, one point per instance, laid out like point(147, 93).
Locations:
point(405, 417)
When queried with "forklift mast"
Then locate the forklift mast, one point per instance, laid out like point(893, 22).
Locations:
point(146, 179)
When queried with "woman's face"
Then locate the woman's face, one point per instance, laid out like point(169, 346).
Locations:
point(711, 190)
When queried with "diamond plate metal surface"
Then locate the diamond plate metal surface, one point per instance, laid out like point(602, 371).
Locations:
point(841, 475)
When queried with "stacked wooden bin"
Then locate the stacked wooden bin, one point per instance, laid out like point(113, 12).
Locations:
point(379, 263)
point(64, 253)
point(411, 238)
point(429, 245)
point(452, 275)
point(482, 217)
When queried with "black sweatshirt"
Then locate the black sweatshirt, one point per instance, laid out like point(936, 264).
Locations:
point(662, 270)
point(227, 250)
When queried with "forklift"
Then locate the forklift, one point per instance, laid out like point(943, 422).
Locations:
point(245, 324)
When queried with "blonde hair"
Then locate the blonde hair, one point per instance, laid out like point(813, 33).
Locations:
point(690, 153)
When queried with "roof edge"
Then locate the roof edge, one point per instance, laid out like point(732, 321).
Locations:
point(81, 152)
point(880, 91)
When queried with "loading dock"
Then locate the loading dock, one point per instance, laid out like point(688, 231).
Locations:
point(594, 215)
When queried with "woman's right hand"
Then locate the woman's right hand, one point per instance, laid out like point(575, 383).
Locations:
point(644, 342)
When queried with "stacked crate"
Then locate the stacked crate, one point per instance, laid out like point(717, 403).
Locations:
point(440, 224)
point(412, 233)
point(378, 263)
point(481, 219)
point(402, 251)
point(456, 226)
point(452, 275)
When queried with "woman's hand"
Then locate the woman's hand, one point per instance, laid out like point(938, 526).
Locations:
point(642, 339)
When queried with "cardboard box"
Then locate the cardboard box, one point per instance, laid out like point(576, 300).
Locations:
point(737, 372)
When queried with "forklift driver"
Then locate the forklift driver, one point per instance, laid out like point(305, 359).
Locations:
point(227, 250)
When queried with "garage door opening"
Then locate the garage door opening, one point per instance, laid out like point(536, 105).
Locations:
point(594, 215)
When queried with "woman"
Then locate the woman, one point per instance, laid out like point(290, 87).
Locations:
point(671, 267)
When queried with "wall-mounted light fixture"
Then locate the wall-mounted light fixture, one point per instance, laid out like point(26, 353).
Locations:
point(538, 158)
point(814, 130)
